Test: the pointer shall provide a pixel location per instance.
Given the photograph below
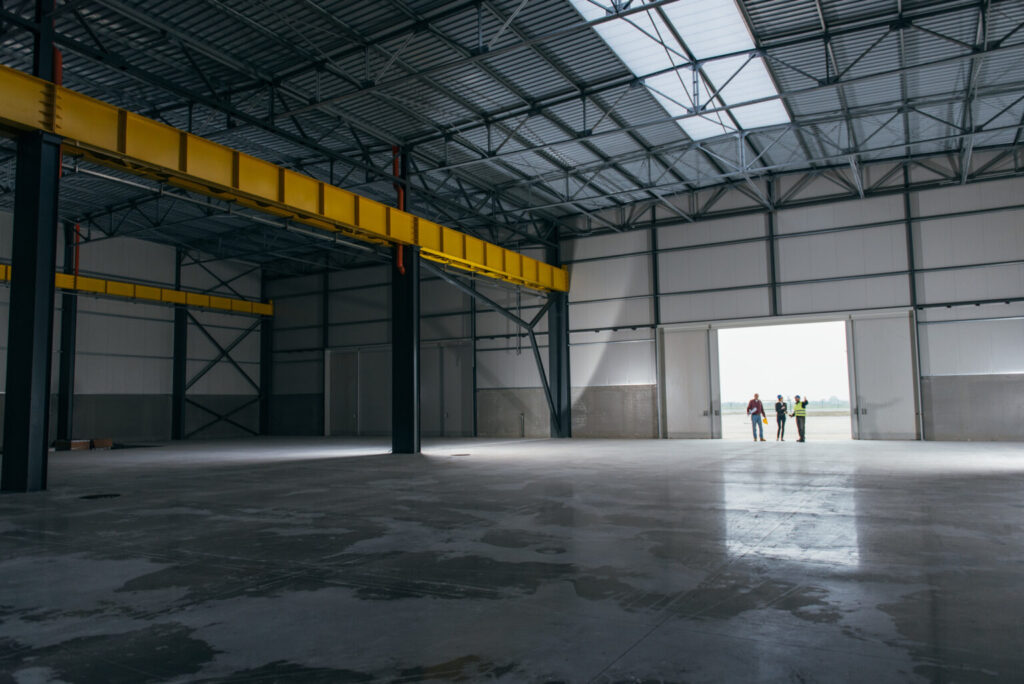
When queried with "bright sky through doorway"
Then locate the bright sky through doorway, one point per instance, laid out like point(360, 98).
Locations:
point(807, 359)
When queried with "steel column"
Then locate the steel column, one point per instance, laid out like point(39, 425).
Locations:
point(68, 330)
point(30, 317)
point(266, 362)
point(773, 280)
point(405, 330)
point(30, 328)
point(405, 351)
point(179, 366)
point(558, 355)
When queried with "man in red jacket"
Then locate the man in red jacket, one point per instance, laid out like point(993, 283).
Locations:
point(755, 409)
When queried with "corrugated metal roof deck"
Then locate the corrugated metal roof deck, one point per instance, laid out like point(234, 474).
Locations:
point(522, 100)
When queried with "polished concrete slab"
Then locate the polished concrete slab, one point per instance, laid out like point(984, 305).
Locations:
point(524, 561)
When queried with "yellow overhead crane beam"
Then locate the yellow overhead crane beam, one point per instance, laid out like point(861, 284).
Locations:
point(114, 136)
point(150, 293)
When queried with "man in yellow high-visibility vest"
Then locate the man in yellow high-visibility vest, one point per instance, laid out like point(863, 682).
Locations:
point(800, 411)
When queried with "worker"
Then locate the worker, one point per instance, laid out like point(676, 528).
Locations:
point(755, 409)
point(780, 419)
point(800, 411)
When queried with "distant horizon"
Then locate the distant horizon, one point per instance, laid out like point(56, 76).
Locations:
point(808, 359)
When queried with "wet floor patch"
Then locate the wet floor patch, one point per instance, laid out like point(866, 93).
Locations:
point(466, 668)
point(285, 672)
point(156, 653)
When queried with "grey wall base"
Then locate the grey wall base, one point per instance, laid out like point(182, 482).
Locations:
point(628, 411)
point(293, 415)
point(973, 407)
point(512, 413)
point(127, 418)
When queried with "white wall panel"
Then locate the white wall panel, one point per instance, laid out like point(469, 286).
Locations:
point(299, 338)
point(298, 373)
point(711, 267)
point(301, 285)
point(444, 327)
point(996, 236)
point(492, 323)
point(873, 250)
point(621, 277)
point(990, 282)
point(710, 306)
point(845, 295)
point(364, 304)
point(834, 215)
point(956, 198)
point(129, 259)
point(973, 348)
point(964, 313)
point(611, 314)
point(298, 311)
point(106, 374)
point(437, 296)
point(357, 277)
point(499, 369)
point(617, 363)
point(606, 245)
point(715, 230)
point(358, 334)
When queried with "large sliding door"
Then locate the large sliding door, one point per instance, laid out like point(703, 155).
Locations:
point(358, 391)
point(883, 376)
point(690, 401)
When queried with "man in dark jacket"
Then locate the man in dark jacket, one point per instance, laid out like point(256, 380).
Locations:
point(780, 419)
point(755, 409)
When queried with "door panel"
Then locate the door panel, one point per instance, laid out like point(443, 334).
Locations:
point(375, 392)
point(457, 390)
point(431, 397)
point(344, 404)
point(883, 378)
point(691, 402)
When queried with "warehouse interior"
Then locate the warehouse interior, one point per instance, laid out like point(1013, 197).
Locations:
point(380, 341)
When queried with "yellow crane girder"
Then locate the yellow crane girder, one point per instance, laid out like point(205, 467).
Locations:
point(152, 294)
point(110, 135)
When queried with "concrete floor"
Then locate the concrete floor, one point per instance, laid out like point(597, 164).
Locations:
point(605, 561)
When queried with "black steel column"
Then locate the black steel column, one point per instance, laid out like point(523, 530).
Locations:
point(179, 366)
point(266, 362)
point(30, 315)
point(30, 322)
point(558, 355)
point(773, 279)
point(68, 330)
point(405, 351)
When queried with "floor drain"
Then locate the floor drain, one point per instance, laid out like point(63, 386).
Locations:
point(100, 496)
point(453, 455)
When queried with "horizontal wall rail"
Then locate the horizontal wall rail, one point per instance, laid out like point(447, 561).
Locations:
point(151, 293)
point(109, 135)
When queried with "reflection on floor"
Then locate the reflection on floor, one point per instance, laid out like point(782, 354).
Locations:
point(333, 561)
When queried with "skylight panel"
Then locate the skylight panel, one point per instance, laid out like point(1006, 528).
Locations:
point(647, 43)
point(710, 28)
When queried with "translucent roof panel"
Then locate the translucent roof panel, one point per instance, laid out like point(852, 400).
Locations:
point(710, 28)
point(648, 43)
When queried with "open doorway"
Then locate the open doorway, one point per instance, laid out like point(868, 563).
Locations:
point(809, 359)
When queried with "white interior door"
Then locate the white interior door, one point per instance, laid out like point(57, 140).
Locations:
point(457, 390)
point(691, 405)
point(344, 393)
point(375, 391)
point(883, 376)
